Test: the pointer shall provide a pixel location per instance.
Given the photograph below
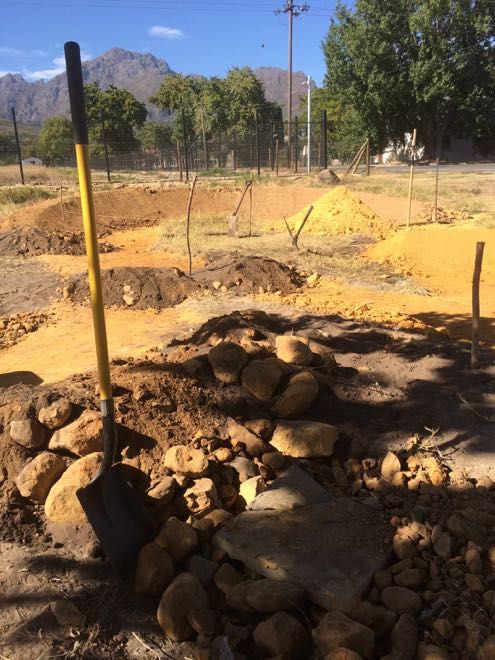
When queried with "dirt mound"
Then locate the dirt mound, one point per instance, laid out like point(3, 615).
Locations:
point(140, 288)
point(33, 241)
point(444, 216)
point(250, 274)
point(340, 212)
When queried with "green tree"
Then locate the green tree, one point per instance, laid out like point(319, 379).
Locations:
point(179, 93)
point(245, 94)
point(8, 150)
point(122, 115)
point(154, 134)
point(425, 64)
point(55, 140)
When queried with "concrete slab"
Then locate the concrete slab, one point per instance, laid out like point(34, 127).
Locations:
point(332, 549)
point(293, 488)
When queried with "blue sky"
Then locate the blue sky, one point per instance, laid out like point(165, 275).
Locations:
point(193, 36)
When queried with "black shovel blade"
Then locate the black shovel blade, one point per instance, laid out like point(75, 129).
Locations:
point(118, 517)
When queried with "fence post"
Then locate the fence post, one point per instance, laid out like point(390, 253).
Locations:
point(411, 178)
point(205, 143)
point(475, 357)
point(105, 145)
point(185, 145)
point(219, 149)
point(437, 166)
point(295, 144)
point(18, 145)
point(234, 150)
point(324, 130)
point(258, 152)
point(179, 161)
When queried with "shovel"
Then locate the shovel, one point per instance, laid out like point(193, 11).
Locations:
point(234, 218)
point(111, 505)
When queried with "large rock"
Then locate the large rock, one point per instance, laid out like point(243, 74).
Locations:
point(274, 595)
point(154, 570)
point(202, 497)
point(282, 636)
point(294, 350)
point(299, 395)
point(62, 504)
point(251, 488)
point(337, 630)
point(331, 550)
point(261, 378)
point(401, 600)
point(27, 432)
point(82, 437)
point(56, 414)
point(404, 639)
point(38, 476)
point(241, 436)
point(178, 538)
point(227, 360)
point(291, 489)
point(181, 597)
point(191, 462)
point(304, 439)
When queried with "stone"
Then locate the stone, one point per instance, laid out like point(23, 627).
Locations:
point(293, 350)
point(56, 414)
point(244, 467)
point(154, 570)
point(343, 654)
point(218, 517)
point(38, 476)
point(390, 465)
point(274, 460)
point(464, 528)
point(204, 569)
point(273, 595)
point(227, 577)
point(27, 432)
point(237, 597)
point(163, 491)
point(443, 627)
point(431, 652)
point(220, 649)
point(216, 284)
point(181, 597)
point(204, 622)
point(412, 578)
point(82, 437)
point(328, 175)
point(223, 454)
point(178, 538)
point(299, 395)
point(404, 639)
point(282, 636)
point(304, 439)
point(488, 648)
point(261, 427)
point(442, 543)
point(261, 378)
point(401, 600)
point(227, 361)
point(313, 278)
point(190, 462)
point(291, 489)
point(252, 487)
point(62, 504)
point(376, 617)
point(331, 550)
point(201, 497)
point(336, 630)
point(67, 614)
point(240, 436)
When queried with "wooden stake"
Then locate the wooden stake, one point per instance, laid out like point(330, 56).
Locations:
point(475, 358)
point(233, 220)
point(276, 156)
point(295, 237)
point(61, 202)
point(368, 161)
point(436, 189)
point(411, 178)
point(179, 161)
point(250, 204)
point(188, 221)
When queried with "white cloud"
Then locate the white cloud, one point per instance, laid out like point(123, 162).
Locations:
point(6, 73)
point(165, 32)
point(26, 54)
point(57, 68)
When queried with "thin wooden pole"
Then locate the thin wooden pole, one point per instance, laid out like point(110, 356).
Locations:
point(18, 146)
point(411, 178)
point(276, 156)
point(296, 145)
point(250, 204)
point(188, 221)
point(368, 162)
point(184, 138)
point(436, 188)
point(205, 143)
point(62, 202)
point(475, 357)
point(179, 161)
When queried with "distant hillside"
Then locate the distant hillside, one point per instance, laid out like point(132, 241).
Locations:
point(275, 81)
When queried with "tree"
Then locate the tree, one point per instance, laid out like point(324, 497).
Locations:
point(245, 93)
point(55, 140)
point(425, 64)
point(154, 134)
point(179, 94)
point(8, 149)
point(122, 115)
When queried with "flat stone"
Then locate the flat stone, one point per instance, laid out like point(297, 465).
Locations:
point(241, 436)
point(293, 488)
point(304, 439)
point(331, 550)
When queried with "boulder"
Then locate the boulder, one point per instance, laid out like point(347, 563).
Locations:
point(227, 360)
point(299, 395)
point(82, 437)
point(178, 538)
point(227, 577)
point(329, 176)
point(62, 504)
point(251, 488)
point(241, 436)
point(38, 476)
point(404, 639)
point(204, 622)
point(27, 432)
point(376, 617)
point(204, 569)
point(274, 595)
point(274, 460)
point(179, 599)
point(401, 600)
point(154, 570)
point(261, 427)
point(293, 350)
point(338, 630)
point(261, 378)
point(291, 489)
point(282, 636)
point(190, 462)
point(304, 439)
point(163, 491)
point(56, 414)
point(201, 497)
point(390, 465)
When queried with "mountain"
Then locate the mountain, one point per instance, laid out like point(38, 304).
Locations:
point(139, 73)
point(275, 81)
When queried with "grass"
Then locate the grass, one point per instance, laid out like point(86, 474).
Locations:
point(12, 198)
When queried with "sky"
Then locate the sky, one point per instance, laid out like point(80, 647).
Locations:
point(194, 36)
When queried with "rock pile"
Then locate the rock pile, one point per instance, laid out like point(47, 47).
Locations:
point(13, 328)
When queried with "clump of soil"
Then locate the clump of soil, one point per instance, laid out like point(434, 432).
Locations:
point(34, 241)
point(13, 328)
point(341, 212)
point(141, 288)
point(444, 216)
point(250, 274)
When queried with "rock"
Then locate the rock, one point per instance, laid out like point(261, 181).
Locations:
point(273, 595)
point(331, 550)
point(201, 497)
point(261, 378)
point(223, 454)
point(282, 636)
point(244, 467)
point(488, 648)
point(304, 439)
point(313, 278)
point(220, 649)
point(401, 600)
point(56, 414)
point(379, 619)
point(390, 466)
point(299, 395)
point(336, 630)
point(204, 622)
point(227, 577)
point(38, 476)
point(412, 578)
point(328, 175)
point(27, 432)
point(227, 360)
point(274, 460)
point(218, 517)
point(237, 597)
point(67, 614)
point(163, 491)
point(431, 652)
point(291, 489)
point(82, 437)
point(464, 528)
point(181, 597)
point(190, 462)
point(251, 488)
point(178, 538)
point(62, 504)
point(204, 569)
point(240, 436)
point(442, 543)
point(444, 628)
point(294, 350)
point(343, 654)
point(154, 570)
point(263, 428)
point(404, 639)
point(216, 284)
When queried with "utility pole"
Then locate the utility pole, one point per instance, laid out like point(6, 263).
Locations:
point(18, 145)
point(308, 160)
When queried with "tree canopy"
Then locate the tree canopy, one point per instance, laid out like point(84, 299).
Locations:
point(55, 140)
point(425, 64)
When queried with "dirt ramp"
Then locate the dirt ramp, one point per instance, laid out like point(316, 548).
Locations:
point(33, 241)
point(141, 288)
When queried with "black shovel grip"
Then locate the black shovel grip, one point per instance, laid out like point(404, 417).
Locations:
point(76, 92)
point(109, 438)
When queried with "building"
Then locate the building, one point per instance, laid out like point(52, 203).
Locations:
point(32, 160)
